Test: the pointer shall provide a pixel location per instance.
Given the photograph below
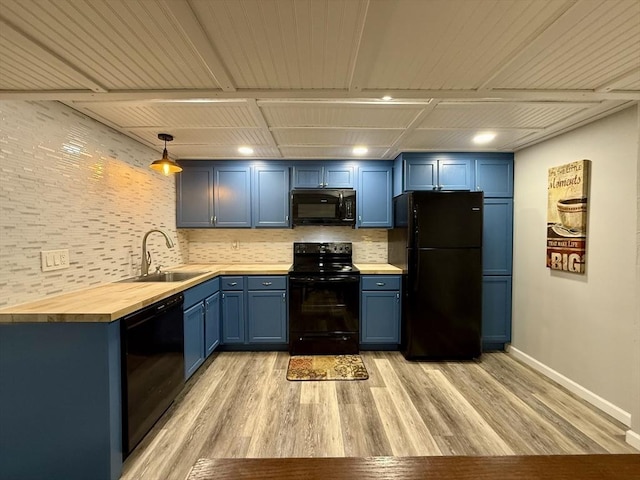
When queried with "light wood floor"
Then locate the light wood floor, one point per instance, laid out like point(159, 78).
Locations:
point(240, 405)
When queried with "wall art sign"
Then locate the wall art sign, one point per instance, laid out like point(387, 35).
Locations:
point(567, 216)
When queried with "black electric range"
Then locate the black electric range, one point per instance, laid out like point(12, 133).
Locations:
point(324, 306)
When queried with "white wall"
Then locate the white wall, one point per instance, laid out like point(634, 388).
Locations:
point(67, 181)
point(584, 327)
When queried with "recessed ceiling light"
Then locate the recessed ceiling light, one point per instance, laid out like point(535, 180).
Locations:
point(386, 98)
point(245, 150)
point(485, 137)
point(360, 150)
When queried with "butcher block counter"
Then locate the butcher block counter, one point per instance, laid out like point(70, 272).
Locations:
point(111, 301)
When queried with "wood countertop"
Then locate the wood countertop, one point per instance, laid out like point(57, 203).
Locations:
point(111, 301)
point(378, 269)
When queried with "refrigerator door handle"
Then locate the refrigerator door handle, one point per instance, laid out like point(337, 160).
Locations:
point(416, 230)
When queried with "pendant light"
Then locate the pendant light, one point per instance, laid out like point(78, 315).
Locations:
point(165, 164)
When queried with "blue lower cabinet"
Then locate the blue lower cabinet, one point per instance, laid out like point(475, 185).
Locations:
point(211, 323)
point(60, 401)
point(254, 311)
point(232, 317)
point(193, 339)
point(380, 317)
point(496, 312)
point(267, 316)
point(380, 309)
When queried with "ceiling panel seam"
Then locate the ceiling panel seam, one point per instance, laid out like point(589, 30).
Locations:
point(200, 42)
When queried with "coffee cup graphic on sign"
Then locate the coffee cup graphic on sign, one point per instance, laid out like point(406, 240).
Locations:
point(572, 213)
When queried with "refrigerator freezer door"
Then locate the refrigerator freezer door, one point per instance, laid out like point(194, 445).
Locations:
point(443, 309)
point(446, 219)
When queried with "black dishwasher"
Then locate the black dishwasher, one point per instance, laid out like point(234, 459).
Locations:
point(152, 366)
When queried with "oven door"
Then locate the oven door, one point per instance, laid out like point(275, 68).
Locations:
point(324, 314)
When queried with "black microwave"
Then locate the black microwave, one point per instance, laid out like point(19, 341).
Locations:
point(323, 206)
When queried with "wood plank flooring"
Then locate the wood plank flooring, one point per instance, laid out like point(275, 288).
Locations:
point(240, 405)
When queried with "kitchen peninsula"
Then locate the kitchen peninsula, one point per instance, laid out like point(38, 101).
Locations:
point(60, 367)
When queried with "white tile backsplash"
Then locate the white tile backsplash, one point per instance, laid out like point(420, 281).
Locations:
point(276, 245)
point(67, 181)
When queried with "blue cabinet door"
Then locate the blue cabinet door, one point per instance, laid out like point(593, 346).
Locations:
point(432, 171)
point(211, 323)
point(232, 196)
point(331, 175)
point(308, 176)
point(496, 312)
point(233, 317)
point(420, 174)
point(194, 197)
point(339, 176)
point(193, 339)
point(270, 196)
point(380, 317)
point(455, 174)
point(494, 176)
point(497, 236)
point(267, 316)
point(374, 197)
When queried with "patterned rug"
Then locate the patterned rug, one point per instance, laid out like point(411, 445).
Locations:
point(326, 367)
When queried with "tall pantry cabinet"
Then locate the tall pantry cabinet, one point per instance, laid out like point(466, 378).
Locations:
point(491, 173)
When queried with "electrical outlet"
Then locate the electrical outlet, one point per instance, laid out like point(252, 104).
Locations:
point(54, 259)
point(235, 245)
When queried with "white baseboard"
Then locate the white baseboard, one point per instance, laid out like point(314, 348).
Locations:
point(633, 439)
point(587, 395)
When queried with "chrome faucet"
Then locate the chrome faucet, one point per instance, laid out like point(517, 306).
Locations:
point(146, 256)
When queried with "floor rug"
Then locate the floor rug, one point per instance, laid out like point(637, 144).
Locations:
point(326, 367)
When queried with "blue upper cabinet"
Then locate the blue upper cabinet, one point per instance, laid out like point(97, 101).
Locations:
point(194, 194)
point(315, 175)
point(308, 176)
point(421, 174)
point(455, 174)
point(494, 175)
point(270, 196)
point(232, 196)
point(374, 206)
point(427, 171)
point(339, 176)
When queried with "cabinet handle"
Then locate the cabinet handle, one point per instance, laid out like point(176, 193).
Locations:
point(380, 284)
point(212, 220)
point(215, 219)
point(360, 218)
point(266, 284)
point(232, 284)
point(397, 297)
point(223, 296)
point(284, 297)
point(478, 187)
point(286, 218)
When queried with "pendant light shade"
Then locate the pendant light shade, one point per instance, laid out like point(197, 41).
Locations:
point(165, 164)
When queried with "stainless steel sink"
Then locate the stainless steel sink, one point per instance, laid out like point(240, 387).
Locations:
point(165, 277)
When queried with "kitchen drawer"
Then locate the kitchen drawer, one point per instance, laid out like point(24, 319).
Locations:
point(232, 283)
point(200, 292)
point(380, 282)
point(272, 282)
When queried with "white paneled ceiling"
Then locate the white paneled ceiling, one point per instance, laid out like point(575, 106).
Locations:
point(305, 78)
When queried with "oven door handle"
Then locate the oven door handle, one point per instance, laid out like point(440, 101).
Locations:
point(308, 280)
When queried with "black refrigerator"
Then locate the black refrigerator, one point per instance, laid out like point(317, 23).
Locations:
point(437, 241)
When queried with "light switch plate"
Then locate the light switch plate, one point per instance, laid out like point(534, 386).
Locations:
point(54, 259)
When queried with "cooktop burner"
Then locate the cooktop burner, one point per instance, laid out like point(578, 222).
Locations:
point(330, 257)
